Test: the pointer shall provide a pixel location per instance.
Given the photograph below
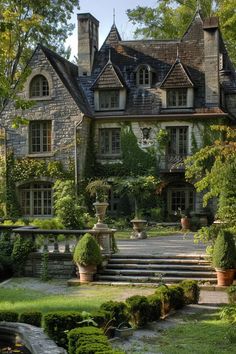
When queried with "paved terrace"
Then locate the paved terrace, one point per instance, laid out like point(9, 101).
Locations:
point(179, 244)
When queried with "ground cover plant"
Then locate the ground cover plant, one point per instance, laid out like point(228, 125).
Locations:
point(151, 231)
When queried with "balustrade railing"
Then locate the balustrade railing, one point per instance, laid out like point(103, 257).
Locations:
point(58, 241)
point(172, 163)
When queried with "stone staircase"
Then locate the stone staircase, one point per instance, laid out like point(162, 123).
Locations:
point(140, 269)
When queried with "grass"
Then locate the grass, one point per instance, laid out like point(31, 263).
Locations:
point(81, 298)
point(151, 231)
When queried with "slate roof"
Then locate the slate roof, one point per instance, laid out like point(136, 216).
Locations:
point(68, 73)
point(177, 77)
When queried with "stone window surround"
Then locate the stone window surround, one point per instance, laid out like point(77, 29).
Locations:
point(137, 71)
point(47, 75)
point(190, 99)
point(20, 184)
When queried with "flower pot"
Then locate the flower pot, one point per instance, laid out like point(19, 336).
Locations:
point(86, 273)
point(185, 223)
point(225, 277)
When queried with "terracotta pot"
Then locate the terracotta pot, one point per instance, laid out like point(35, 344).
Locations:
point(86, 273)
point(185, 223)
point(225, 277)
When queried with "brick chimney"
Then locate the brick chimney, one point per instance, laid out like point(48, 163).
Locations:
point(211, 55)
point(87, 42)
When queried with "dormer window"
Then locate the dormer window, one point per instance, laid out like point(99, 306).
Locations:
point(143, 76)
point(109, 100)
point(177, 97)
point(39, 87)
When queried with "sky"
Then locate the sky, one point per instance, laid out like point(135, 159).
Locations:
point(102, 10)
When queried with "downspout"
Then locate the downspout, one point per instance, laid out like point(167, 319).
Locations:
point(77, 126)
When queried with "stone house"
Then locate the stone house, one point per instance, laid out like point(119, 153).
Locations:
point(176, 88)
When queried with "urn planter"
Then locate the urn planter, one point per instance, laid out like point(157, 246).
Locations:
point(139, 229)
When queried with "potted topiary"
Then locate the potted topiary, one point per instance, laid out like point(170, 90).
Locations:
point(99, 189)
point(224, 258)
point(87, 256)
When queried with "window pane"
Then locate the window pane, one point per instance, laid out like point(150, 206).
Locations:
point(178, 144)
point(109, 141)
point(177, 98)
point(36, 199)
point(109, 99)
point(39, 86)
point(40, 136)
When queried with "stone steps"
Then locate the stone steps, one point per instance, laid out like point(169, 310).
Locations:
point(153, 269)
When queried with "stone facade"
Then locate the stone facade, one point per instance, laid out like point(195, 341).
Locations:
point(181, 86)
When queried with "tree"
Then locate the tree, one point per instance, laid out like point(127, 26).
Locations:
point(170, 18)
point(23, 24)
point(213, 168)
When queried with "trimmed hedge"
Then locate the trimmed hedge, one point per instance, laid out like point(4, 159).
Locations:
point(32, 318)
point(55, 325)
point(117, 312)
point(191, 291)
point(154, 302)
point(9, 316)
point(164, 293)
point(87, 340)
point(138, 310)
point(176, 297)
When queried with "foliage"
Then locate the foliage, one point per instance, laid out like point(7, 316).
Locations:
point(44, 267)
point(154, 302)
point(32, 318)
point(224, 253)
point(191, 291)
point(164, 294)
point(21, 250)
point(9, 316)
point(170, 19)
point(80, 337)
point(66, 206)
point(137, 187)
point(23, 25)
point(213, 169)
point(163, 138)
point(6, 270)
point(231, 291)
point(117, 310)
point(6, 243)
point(176, 297)
point(136, 162)
point(48, 224)
point(55, 325)
point(98, 188)
point(138, 310)
point(87, 251)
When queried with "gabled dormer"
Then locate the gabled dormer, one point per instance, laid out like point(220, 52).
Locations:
point(177, 88)
point(109, 89)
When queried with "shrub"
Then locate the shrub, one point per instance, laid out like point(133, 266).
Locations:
point(5, 267)
point(231, 291)
point(85, 332)
point(228, 313)
point(224, 254)
point(55, 325)
point(191, 291)
point(154, 302)
point(176, 297)
point(164, 293)
point(32, 318)
point(21, 250)
point(138, 310)
point(87, 251)
point(6, 244)
point(117, 311)
point(9, 316)
point(92, 348)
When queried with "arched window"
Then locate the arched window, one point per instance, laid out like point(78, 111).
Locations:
point(36, 199)
point(39, 86)
point(143, 76)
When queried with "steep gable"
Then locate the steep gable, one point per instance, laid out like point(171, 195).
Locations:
point(109, 78)
point(177, 77)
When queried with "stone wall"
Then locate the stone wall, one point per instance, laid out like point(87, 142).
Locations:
point(59, 107)
point(60, 266)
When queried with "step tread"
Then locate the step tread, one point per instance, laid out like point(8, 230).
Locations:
point(159, 266)
point(151, 279)
point(147, 272)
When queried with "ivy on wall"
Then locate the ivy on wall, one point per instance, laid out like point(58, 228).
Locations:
point(134, 160)
point(27, 169)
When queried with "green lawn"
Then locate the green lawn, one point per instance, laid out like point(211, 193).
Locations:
point(15, 297)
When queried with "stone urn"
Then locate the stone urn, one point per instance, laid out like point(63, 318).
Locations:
point(139, 229)
point(100, 209)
